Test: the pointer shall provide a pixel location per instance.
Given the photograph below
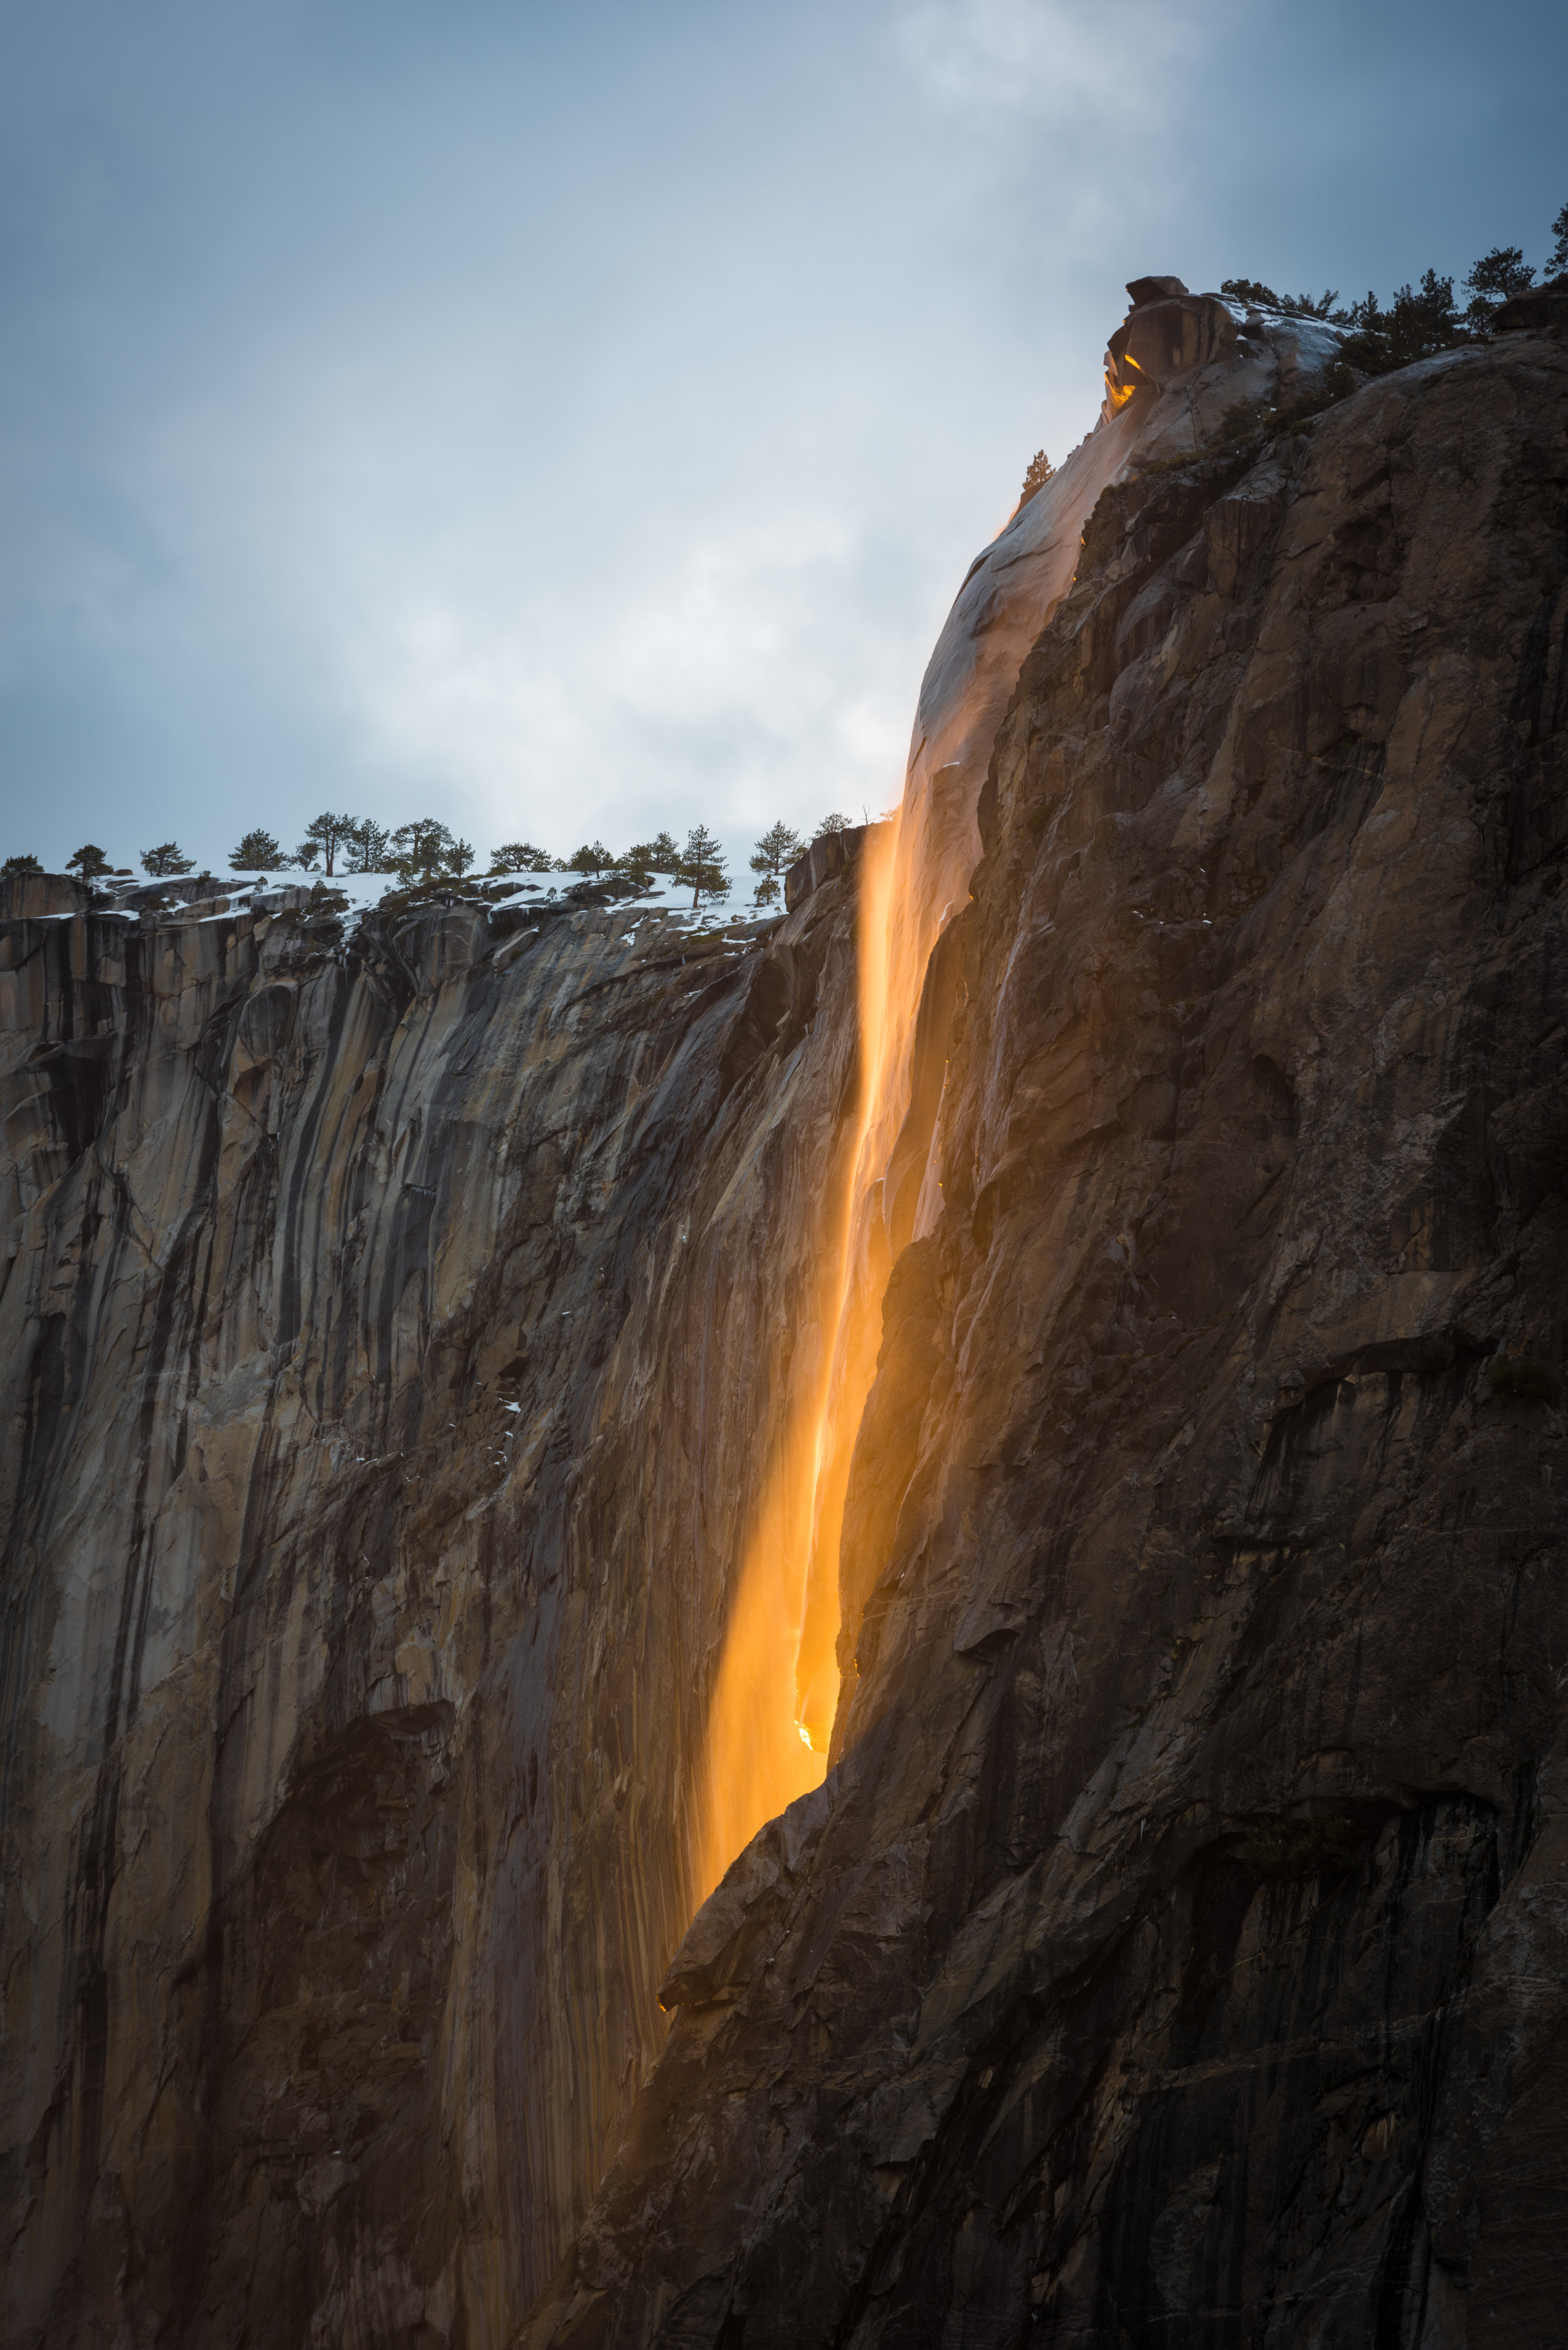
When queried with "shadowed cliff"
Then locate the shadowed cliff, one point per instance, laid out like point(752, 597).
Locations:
point(395, 1338)
point(1175, 1952)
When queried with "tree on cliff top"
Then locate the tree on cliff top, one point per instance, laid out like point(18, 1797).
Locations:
point(1557, 259)
point(324, 836)
point(166, 858)
point(1496, 275)
point(367, 847)
point(1037, 472)
point(701, 866)
point(592, 858)
point(522, 857)
point(20, 865)
point(425, 852)
point(1501, 272)
point(778, 848)
point(658, 855)
point(1260, 297)
point(1418, 322)
point(89, 862)
point(257, 851)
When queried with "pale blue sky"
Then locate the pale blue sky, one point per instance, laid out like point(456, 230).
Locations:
point(576, 419)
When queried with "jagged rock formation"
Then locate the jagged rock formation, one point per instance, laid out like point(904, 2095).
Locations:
point(394, 1340)
point(1175, 1952)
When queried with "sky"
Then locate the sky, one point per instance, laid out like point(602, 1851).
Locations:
point(576, 420)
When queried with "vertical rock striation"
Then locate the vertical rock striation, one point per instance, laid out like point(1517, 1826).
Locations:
point(393, 1342)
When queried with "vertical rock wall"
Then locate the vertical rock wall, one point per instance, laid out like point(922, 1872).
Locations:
point(1174, 1952)
point(392, 1344)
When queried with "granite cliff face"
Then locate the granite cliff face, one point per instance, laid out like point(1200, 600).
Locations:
point(397, 1340)
point(1175, 1951)
point(393, 1342)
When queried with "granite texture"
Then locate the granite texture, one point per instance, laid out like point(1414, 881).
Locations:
point(392, 1338)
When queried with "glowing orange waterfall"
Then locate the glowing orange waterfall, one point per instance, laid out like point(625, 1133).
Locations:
point(768, 1728)
point(772, 1709)
point(896, 932)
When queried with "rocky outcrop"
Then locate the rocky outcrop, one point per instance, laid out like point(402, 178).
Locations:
point(1540, 309)
point(398, 1337)
point(1176, 368)
point(1175, 1951)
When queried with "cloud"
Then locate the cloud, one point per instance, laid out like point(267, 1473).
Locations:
point(486, 644)
point(1058, 60)
point(730, 679)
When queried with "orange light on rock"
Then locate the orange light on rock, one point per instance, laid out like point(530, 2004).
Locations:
point(777, 1692)
point(755, 1759)
point(770, 1716)
point(861, 1279)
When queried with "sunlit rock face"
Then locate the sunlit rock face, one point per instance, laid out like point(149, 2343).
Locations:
point(1205, 363)
point(1175, 367)
point(1176, 1950)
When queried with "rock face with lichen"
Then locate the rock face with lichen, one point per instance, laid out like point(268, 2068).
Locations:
point(394, 1335)
point(1176, 1952)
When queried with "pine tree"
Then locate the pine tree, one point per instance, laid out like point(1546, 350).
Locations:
point(20, 865)
point(778, 848)
point(1557, 259)
point(324, 836)
point(425, 852)
point(1036, 474)
point(258, 852)
point(1258, 296)
point(1425, 321)
point(1500, 273)
point(522, 857)
point(1418, 322)
point(658, 855)
point(701, 866)
point(89, 862)
point(166, 858)
point(1496, 275)
point(591, 858)
point(836, 822)
point(367, 847)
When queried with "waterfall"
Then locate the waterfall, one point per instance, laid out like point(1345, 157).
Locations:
point(777, 1691)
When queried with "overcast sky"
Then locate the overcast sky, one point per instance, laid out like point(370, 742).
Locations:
point(577, 419)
